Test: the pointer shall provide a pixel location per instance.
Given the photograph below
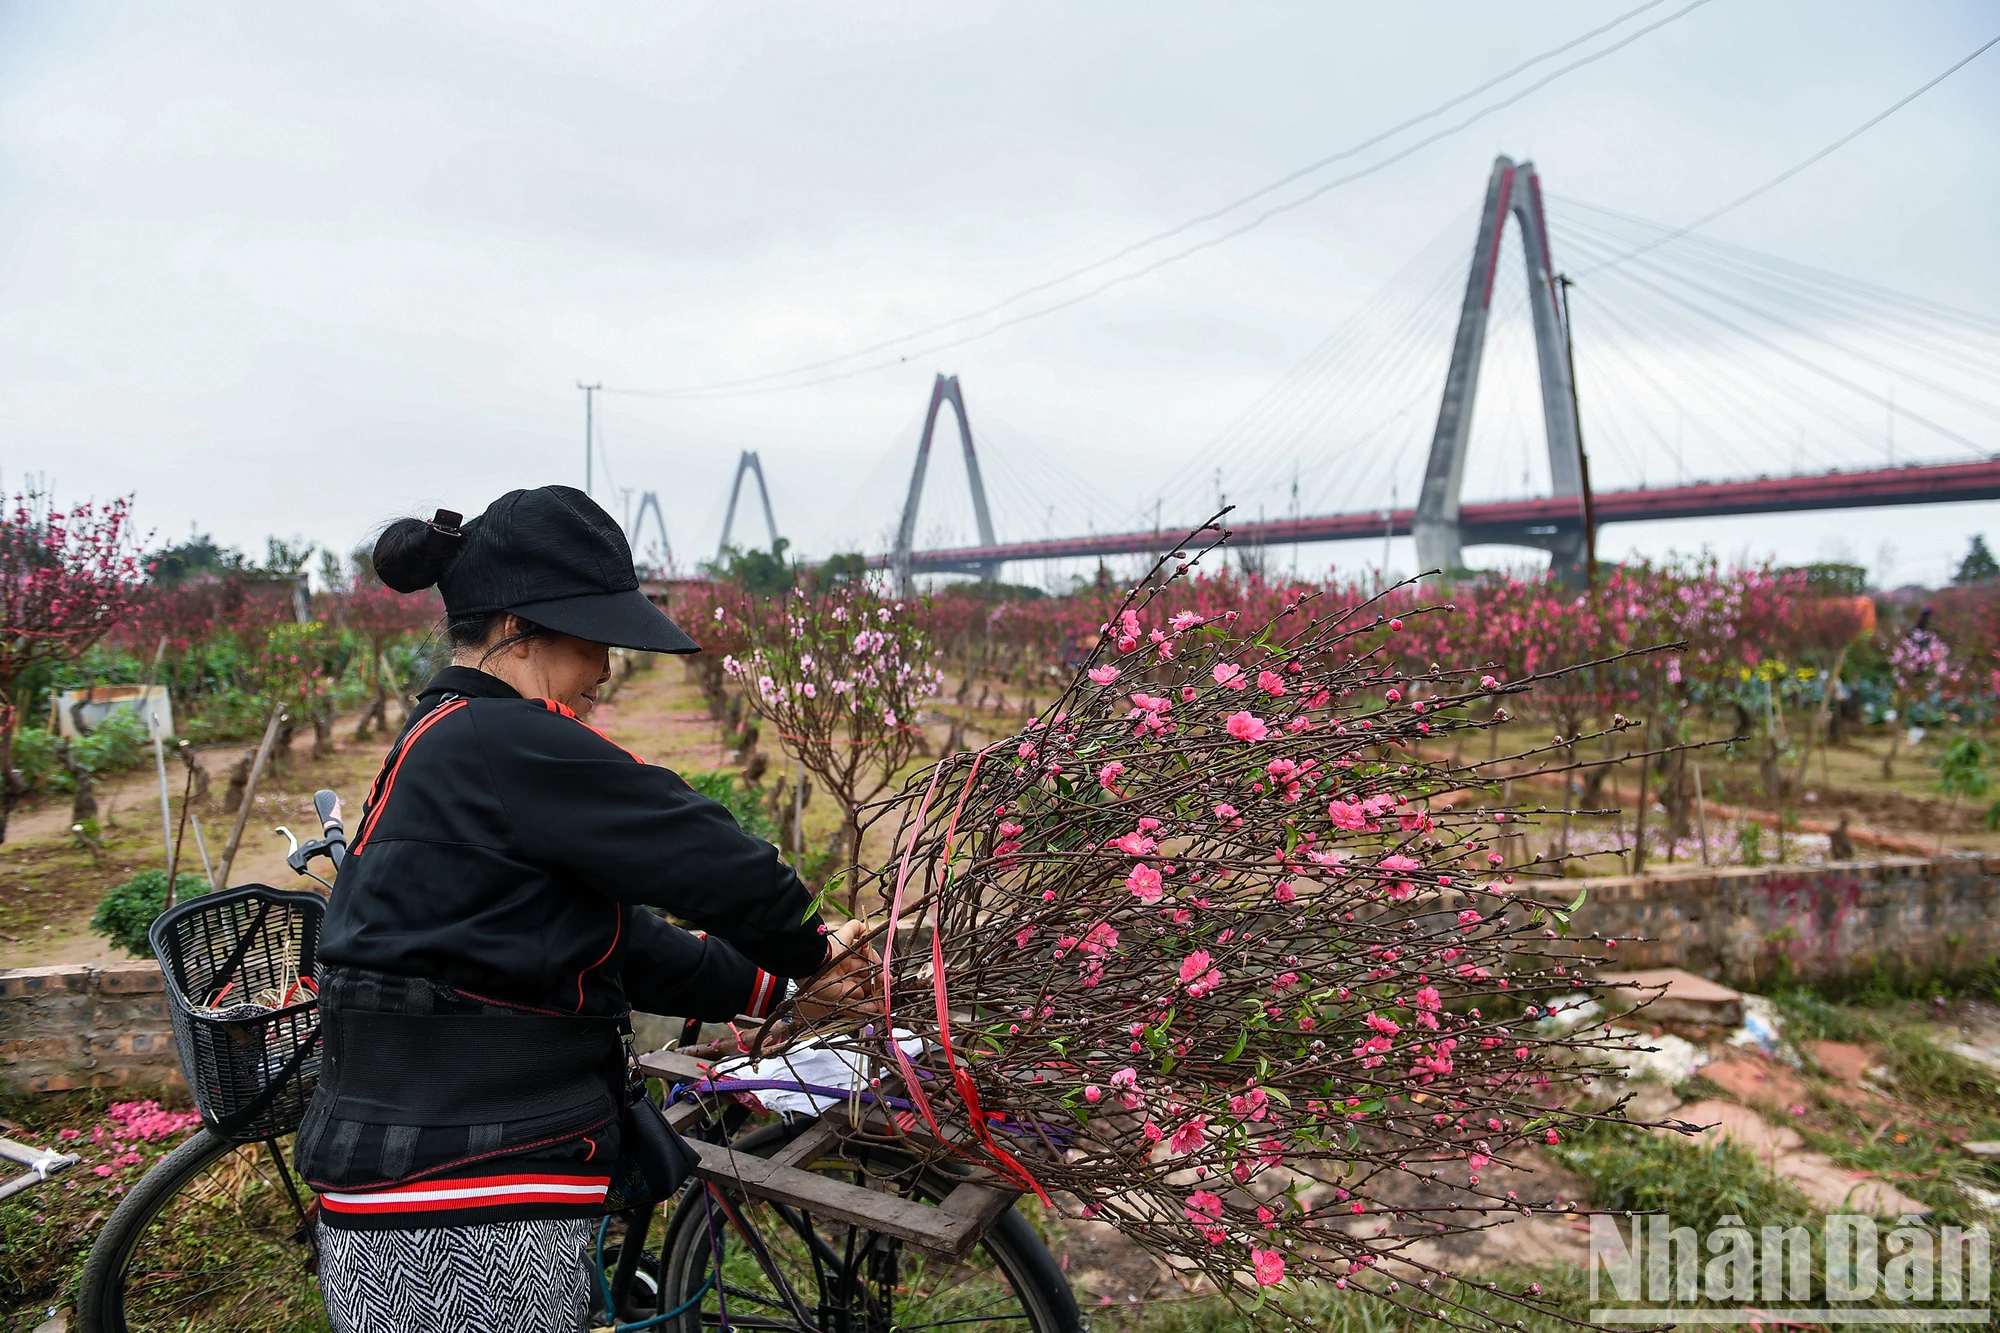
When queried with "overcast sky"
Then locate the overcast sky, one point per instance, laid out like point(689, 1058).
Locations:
point(300, 269)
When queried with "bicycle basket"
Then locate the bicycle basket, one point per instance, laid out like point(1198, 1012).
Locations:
point(238, 967)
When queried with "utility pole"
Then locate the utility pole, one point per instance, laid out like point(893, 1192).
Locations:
point(1295, 518)
point(1388, 531)
point(1892, 425)
point(589, 433)
point(1582, 458)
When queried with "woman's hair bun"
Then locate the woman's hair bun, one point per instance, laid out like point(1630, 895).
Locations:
point(411, 554)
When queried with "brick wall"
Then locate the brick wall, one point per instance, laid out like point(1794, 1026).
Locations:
point(1911, 916)
point(71, 1026)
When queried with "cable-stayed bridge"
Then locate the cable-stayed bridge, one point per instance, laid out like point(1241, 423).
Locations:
point(1534, 522)
point(1477, 402)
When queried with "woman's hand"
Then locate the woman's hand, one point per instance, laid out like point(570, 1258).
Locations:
point(847, 982)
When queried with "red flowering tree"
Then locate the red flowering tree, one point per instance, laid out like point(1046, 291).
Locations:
point(1211, 949)
point(379, 616)
point(67, 577)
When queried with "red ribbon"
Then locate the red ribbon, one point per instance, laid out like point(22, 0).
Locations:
point(1007, 1164)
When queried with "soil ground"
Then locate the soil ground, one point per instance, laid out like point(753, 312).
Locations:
point(1883, 1094)
point(50, 883)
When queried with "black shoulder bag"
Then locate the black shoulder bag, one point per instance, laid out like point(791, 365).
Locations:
point(655, 1161)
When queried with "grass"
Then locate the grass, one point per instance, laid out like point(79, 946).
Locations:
point(1942, 1099)
point(49, 883)
point(46, 1231)
point(1933, 1078)
point(1695, 1183)
point(1699, 1185)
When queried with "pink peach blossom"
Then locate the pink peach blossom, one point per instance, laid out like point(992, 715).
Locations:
point(1189, 1136)
point(1247, 726)
point(1145, 883)
point(1203, 1203)
point(1346, 814)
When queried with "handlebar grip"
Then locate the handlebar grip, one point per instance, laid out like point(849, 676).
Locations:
point(327, 804)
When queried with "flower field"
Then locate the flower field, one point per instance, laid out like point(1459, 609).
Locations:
point(1778, 699)
point(1182, 839)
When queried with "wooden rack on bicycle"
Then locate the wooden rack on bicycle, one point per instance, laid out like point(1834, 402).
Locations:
point(949, 1227)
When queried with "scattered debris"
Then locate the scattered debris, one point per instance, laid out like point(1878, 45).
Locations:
point(1661, 1058)
point(1821, 1179)
point(1762, 1031)
point(1566, 1013)
point(1677, 996)
point(1979, 1055)
point(1842, 1061)
point(1759, 1082)
point(1987, 1199)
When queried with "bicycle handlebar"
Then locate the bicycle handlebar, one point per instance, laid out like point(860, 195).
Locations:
point(332, 842)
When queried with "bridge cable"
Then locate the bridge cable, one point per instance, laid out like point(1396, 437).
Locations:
point(1794, 170)
point(1853, 353)
point(1979, 405)
point(1726, 374)
point(748, 384)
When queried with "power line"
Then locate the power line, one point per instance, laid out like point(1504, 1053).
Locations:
point(1792, 171)
point(748, 384)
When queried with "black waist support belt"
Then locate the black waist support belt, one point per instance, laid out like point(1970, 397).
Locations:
point(465, 1069)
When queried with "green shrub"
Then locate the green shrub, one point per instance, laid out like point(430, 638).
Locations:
point(227, 714)
point(127, 911)
point(740, 800)
point(35, 755)
point(121, 742)
point(1750, 842)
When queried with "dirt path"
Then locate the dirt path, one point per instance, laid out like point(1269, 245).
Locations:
point(49, 884)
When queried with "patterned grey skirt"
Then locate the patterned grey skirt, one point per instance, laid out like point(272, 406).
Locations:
point(501, 1277)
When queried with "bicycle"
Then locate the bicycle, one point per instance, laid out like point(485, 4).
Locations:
point(221, 1233)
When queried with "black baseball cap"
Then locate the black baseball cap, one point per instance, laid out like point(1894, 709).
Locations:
point(553, 556)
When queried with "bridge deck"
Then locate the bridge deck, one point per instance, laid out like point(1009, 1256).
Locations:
point(1505, 520)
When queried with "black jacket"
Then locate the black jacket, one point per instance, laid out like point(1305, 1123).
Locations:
point(501, 870)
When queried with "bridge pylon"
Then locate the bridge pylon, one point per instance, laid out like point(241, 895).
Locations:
point(650, 502)
point(944, 390)
point(1441, 538)
point(747, 463)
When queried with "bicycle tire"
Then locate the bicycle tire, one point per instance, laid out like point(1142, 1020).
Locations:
point(183, 1188)
point(1012, 1245)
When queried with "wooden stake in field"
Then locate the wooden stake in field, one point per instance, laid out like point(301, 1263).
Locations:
point(1645, 799)
point(153, 728)
point(249, 796)
point(180, 829)
point(207, 869)
point(1700, 814)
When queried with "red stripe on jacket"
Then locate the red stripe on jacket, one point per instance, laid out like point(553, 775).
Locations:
point(570, 713)
point(389, 774)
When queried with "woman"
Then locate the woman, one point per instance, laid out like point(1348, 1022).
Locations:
point(489, 934)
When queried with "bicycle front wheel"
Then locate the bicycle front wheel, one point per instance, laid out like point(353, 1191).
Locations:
point(784, 1269)
point(217, 1236)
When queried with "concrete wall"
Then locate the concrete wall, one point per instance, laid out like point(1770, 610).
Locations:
point(1909, 916)
point(71, 1026)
